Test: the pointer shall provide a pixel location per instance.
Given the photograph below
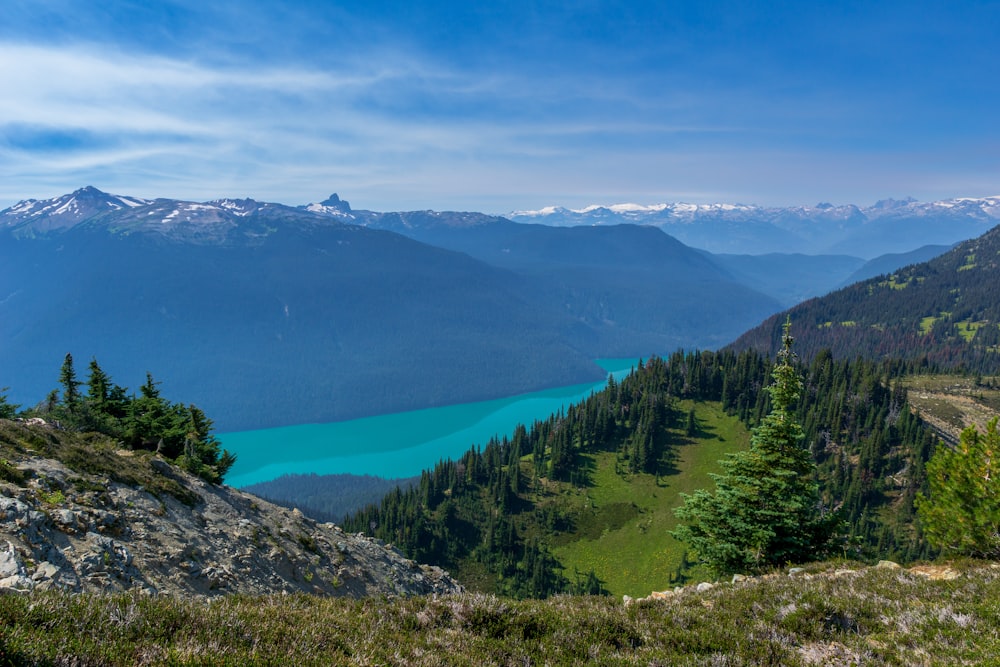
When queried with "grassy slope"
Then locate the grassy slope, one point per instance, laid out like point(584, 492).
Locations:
point(623, 521)
point(952, 402)
point(868, 617)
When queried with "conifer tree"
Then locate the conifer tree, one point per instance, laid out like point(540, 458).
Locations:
point(962, 513)
point(7, 410)
point(766, 508)
point(98, 386)
point(71, 386)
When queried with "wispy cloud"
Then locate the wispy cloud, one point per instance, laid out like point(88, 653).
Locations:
point(442, 105)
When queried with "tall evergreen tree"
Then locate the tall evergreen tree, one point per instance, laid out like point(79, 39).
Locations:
point(766, 507)
point(98, 386)
point(7, 410)
point(71, 386)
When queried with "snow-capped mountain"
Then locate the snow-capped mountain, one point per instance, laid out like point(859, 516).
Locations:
point(888, 226)
point(334, 206)
point(208, 222)
point(885, 227)
point(40, 216)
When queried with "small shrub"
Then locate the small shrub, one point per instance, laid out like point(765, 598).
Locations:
point(12, 474)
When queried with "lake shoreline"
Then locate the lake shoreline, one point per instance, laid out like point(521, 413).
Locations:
point(397, 445)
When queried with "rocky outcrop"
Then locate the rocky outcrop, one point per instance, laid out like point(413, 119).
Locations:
point(61, 528)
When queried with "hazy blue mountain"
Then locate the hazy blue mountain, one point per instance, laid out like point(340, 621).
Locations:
point(789, 278)
point(262, 320)
point(264, 314)
point(889, 226)
point(633, 287)
point(886, 264)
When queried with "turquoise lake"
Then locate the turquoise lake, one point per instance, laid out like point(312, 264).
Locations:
point(401, 444)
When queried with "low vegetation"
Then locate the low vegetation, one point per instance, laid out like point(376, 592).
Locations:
point(147, 422)
point(89, 453)
point(827, 614)
point(951, 403)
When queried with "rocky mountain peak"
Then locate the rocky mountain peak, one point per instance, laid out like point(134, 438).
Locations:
point(334, 201)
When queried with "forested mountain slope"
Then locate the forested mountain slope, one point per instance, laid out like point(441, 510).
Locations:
point(888, 263)
point(321, 322)
point(493, 515)
point(634, 287)
point(944, 312)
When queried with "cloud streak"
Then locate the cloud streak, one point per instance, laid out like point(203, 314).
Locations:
point(441, 106)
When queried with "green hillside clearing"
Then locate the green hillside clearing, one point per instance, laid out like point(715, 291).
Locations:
point(624, 520)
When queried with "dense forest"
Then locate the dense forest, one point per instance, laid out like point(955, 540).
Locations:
point(944, 313)
point(482, 513)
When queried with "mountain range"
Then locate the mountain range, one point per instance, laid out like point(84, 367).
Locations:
point(323, 313)
point(888, 226)
point(265, 314)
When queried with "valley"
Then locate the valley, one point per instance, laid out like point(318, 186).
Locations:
point(359, 343)
point(400, 444)
point(631, 333)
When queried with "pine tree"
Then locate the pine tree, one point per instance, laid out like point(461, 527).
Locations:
point(7, 410)
point(71, 386)
point(766, 507)
point(98, 386)
point(962, 513)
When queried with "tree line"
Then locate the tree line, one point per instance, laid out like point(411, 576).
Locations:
point(144, 421)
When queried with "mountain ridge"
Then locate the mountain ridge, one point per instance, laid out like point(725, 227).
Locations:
point(943, 312)
point(885, 227)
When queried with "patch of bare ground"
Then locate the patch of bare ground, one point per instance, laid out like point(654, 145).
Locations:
point(950, 403)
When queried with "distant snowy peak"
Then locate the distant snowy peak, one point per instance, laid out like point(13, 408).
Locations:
point(66, 211)
point(631, 208)
point(238, 207)
point(333, 206)
point(222, 220)
point(886, 226)
point(990, 206)
point(329, 210)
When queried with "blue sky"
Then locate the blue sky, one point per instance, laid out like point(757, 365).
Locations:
point(501, 106)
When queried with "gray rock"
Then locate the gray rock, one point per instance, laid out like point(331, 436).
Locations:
point(45, 570)
point(66, 520)
point(229, 542)
point(17, 582)
point(9, 564)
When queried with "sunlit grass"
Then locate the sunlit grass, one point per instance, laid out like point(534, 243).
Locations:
point(926, 324)
point(632, 555)
point(829, 614)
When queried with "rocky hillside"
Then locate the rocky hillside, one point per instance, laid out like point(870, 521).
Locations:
point(78, 514)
